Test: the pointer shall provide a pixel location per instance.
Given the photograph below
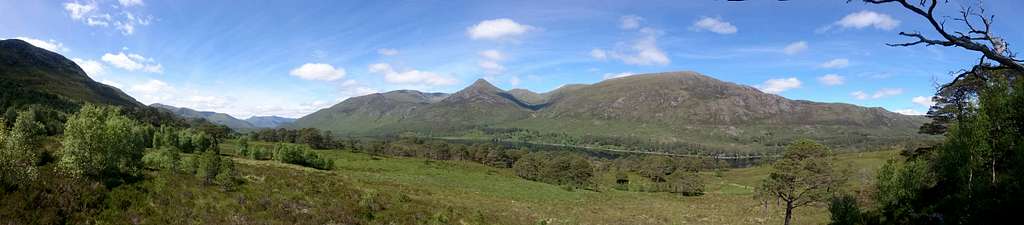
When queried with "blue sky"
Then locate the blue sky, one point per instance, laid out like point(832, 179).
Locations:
point(290, 58)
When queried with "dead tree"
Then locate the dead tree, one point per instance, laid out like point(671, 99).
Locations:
point(977, 36)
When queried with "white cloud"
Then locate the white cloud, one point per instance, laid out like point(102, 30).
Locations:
point(629, 22)
point(714, 25)
point(859, 95)
point(132, 62)
point(795, 47)
point(129, 3)
point(318, 71)
point(387, 52)
point(492, 55)
point(497, 29)
point(644, 51)
point(923, 101)
point(618, 75)
point(491, 67)
point(490, 63)
point(92, 14)
point(514, 81)
point(880, 93)
point(112, 84)
point(867, 18)
point(909, 112)
point(832, 79)
point(91, 67)
point(78, 11)
point(836, 63)
point(151, 87)
point(598, 54)
point(410, 76)
point(775, 86)
point(50, 45)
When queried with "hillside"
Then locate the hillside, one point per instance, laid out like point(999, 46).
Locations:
point(32, 75)
point(677, 107)
point(213, 117)
point(269, 121)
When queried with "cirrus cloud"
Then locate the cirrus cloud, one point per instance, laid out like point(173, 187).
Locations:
point(832, 79)
point(795, 47)
point(836, 63)
point(716, 25)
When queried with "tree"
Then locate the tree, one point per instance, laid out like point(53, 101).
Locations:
point(18, 153)
point(978, 31)
point(803, 176)
point(844, 211)
point(99, 143)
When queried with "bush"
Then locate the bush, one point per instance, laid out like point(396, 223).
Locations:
point(163, 158)
point(227, 176)
point(556, 168)
point(208, 166)
point(300, 155)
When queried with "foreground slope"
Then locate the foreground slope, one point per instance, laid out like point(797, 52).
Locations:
point(26, 70)
point(677, 107)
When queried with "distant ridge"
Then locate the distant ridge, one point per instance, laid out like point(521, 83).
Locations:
point(213, 117)
point(663, 107)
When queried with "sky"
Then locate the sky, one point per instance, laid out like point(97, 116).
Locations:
point(291, 58)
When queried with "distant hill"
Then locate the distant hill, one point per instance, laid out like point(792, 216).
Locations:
point(213, 117)
point(32, 75)
point(268, 121)
point(677, 107)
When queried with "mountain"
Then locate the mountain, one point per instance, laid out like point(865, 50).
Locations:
point(268, 121)
point(32, 75)
point(684, 107)
point(370, 114)
point(213, 117)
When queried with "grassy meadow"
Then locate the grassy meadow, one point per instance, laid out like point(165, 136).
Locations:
point(403, 190)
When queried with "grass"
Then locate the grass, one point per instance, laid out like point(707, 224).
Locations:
point(478, 194)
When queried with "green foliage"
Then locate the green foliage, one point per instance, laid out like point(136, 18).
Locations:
point(844, 211)
point(300, 155)
point(803, 176)
point(971, 178)
point(163, 158)
point(208, 166)
point(19, 152)
point(99, 143)
point(556, 168)
point(227, 176)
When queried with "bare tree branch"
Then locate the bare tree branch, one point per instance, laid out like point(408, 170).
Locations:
point(974, 39)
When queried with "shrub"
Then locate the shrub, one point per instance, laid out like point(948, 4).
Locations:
point(227, 176)
point(163, 158)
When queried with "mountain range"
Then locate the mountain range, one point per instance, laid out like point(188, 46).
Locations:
point(683, 107)
point(255, 122)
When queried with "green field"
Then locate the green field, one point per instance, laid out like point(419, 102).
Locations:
point(454, 192)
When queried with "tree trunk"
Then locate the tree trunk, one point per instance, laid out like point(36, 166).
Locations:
point(789, 212)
